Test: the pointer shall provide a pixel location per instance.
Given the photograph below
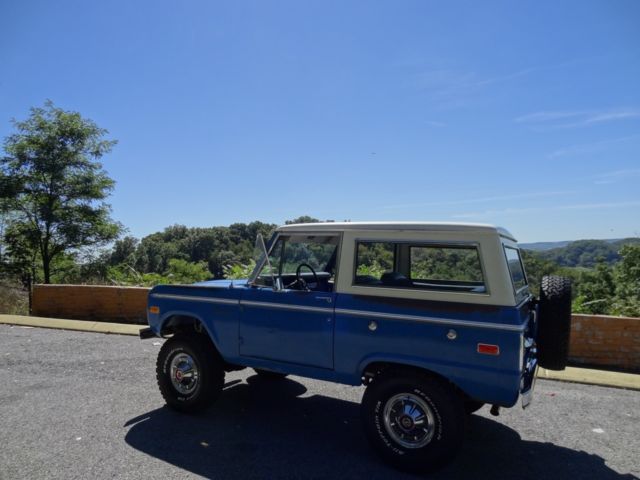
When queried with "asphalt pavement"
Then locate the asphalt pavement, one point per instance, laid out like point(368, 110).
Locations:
point(76, 405)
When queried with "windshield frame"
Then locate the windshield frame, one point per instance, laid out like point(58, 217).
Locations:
point(268, 246)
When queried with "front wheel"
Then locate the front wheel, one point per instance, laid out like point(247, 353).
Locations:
point(189, 375)
point(415, 423)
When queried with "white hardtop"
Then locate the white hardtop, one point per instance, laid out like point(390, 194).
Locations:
point(398, 226)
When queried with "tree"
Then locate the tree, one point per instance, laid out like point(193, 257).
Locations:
point(595, 291)
point(302, 219)
point(628, 282)
point(53, 187)
point(124, 251)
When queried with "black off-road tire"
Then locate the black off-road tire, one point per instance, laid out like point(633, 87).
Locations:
point(447, 411)
point(554, 322)
point(267, 374)
point(209, 367)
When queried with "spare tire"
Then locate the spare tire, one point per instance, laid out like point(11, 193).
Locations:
point(554, 322)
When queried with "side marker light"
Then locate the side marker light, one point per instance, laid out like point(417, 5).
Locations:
point(487, 349)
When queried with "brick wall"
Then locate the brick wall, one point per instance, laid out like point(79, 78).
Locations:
point(602, 340)
point(596, 340)
point(90, 302)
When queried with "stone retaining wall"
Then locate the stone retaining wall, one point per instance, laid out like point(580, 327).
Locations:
point(602, 340)
point(91, 302)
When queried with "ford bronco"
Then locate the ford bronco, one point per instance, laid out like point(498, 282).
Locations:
point(435, 320)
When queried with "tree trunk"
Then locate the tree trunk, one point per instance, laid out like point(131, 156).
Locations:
point(46, 268)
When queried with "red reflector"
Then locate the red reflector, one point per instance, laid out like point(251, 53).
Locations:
point(487, 349)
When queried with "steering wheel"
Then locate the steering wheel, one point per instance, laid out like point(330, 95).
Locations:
point(301, 281)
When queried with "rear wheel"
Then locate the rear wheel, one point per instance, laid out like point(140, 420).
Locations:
point(415, 423)
point(189, 374)
point(267, 374)
point(554, 323)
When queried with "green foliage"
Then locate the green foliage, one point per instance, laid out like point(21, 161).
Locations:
point(181, 271)
point(461, 264)
point(371, 269)
point(595, 291)
point(239, 270)
point(53, 190)
point(178, 272)
point(374, 258)
point(302, 219)
point(217, 246)
point(603, 289)
point(628, 282)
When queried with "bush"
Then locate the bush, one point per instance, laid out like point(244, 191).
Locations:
point(14, 299)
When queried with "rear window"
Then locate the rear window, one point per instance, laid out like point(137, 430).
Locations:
point(515, 268)
point(415, 266)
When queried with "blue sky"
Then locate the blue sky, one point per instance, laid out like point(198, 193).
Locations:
point(522, 114)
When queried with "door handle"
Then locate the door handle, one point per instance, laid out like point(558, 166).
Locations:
point(326, 299)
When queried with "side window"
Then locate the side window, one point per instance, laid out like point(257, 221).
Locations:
point(446, 268)
point(515, 268)
point(373, 259)
point(419, 266)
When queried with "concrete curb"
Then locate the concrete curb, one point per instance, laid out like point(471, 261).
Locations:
point(80, 325)
point(570, 374)
point(593, 377)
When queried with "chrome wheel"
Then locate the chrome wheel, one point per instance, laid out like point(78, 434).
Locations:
point(409, 420)
point(184, 373)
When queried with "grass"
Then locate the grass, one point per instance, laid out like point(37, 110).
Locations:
point(14, 300)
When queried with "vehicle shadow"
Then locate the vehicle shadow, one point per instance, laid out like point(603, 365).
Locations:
point(265, 429)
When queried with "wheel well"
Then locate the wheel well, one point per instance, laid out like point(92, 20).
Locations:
point(376, 369)
point(182, 324)
point(188, 325)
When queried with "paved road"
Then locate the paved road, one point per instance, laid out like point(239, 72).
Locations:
point(85, 405)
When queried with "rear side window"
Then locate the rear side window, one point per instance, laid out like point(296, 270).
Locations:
point(515, 268)
point(446, 263)
point(416, 266)
point(373, 259)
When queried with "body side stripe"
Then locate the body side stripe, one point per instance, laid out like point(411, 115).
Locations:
point(437, 321)
point(224, 301)
point(286, 306)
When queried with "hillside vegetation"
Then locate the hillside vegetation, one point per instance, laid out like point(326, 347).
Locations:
point(586, 253)
point(605, 274)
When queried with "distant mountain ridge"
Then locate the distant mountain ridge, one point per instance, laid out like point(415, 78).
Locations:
point(540, 246)
point(579, 253)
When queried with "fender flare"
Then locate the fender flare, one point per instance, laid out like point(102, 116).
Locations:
point(189, 313)
point(433, 368)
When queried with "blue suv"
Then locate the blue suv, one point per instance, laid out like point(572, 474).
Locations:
point(435, 319)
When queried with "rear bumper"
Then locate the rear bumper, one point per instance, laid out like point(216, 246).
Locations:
point(528, 382)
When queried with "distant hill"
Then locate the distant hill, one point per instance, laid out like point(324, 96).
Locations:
point(579, 253)
point(539, 246)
